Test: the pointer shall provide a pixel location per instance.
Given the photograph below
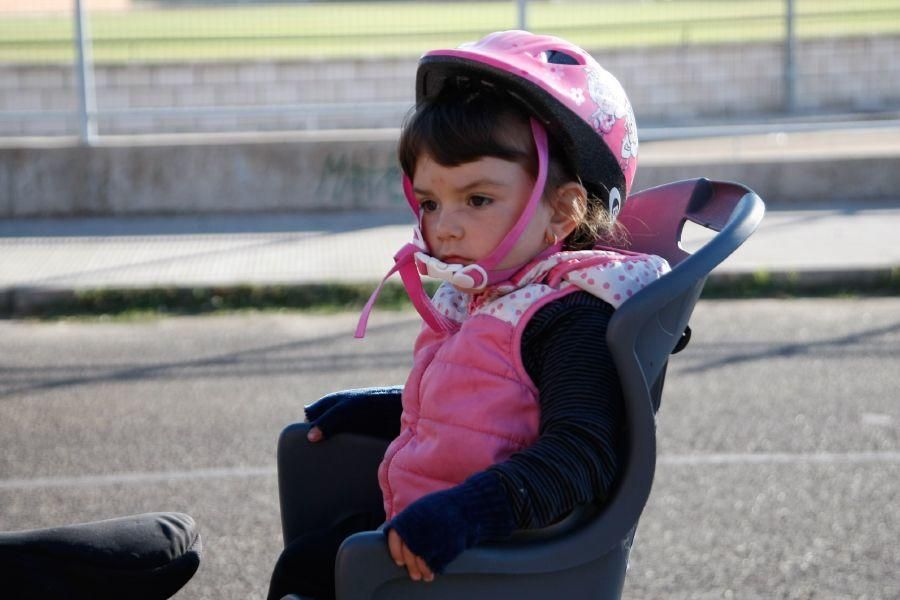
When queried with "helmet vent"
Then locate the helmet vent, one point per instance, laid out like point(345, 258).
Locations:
point(558, 57)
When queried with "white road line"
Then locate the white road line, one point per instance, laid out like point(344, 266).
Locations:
point(242, 472)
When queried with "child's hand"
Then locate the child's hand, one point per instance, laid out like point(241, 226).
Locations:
point(403, 556)
point(430, 533)
point(367, 411)
point(314, 434)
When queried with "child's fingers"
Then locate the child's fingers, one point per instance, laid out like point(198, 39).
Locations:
point(427, 575)
point(411, 563)
point(415, 565)
point(314, 434)
point(395, 546)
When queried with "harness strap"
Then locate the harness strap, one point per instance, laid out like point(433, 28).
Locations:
point(405, 264)
point(490, 262)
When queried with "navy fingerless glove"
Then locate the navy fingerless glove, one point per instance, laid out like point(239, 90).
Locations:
point(439, 526)
point(369, 411)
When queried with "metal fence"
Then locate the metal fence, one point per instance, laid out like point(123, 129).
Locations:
point(107, 67)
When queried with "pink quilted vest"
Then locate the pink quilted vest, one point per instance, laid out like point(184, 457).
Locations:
point(468, 402)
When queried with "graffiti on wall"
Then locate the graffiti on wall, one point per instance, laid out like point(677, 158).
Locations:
point(352, 178)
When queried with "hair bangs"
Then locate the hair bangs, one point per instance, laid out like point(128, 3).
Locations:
point(464, 126)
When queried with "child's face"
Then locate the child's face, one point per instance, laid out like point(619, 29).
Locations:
point(468, 209)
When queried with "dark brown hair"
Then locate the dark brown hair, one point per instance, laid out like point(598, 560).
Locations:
point(468, 121)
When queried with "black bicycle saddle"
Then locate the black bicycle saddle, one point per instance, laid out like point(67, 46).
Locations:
point(144, 557)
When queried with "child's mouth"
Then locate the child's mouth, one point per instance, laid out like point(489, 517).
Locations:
point(453, 259)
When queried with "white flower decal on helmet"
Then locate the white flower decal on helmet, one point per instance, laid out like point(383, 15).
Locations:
point(578, 96)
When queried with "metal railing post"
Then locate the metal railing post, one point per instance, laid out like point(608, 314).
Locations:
point(790, 67)
point(87, 104)
point(523, 14)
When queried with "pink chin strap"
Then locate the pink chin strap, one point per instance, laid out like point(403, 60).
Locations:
point(414, 260)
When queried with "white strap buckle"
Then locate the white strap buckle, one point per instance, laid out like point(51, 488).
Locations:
point(465, 277)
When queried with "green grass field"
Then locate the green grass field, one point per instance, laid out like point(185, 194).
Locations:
point(405, 28)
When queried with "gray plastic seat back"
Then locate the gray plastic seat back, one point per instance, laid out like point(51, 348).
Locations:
point(644, 330)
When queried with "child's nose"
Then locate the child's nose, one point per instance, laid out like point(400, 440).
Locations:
point(449, 226)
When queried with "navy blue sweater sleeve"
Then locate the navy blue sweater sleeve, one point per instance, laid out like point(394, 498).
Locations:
point(575, 458)
point(439, 526)
point(573, 461)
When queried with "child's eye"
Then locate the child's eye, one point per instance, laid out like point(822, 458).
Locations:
point(428, 205)
point(479, 201)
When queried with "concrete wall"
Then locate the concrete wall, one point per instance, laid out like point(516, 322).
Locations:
point(665, 84)
point(200, 176)
point(310, 172)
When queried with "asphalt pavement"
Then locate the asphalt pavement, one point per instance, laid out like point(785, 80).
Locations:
point(778, 466)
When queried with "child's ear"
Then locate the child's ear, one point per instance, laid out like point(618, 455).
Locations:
point(569, 207)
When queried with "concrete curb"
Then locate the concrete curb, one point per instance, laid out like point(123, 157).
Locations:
point(26, 302)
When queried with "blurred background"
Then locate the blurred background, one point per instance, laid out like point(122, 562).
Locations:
point(112, 67)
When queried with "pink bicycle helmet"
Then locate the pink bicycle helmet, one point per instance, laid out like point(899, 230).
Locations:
point(565, 88)
point(567, 92)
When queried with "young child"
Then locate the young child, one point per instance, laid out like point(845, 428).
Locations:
point(519, 155)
